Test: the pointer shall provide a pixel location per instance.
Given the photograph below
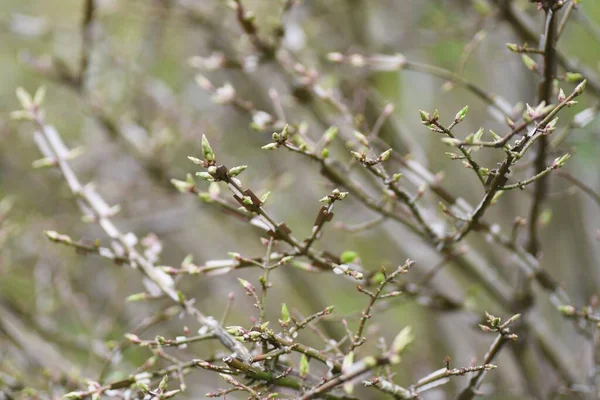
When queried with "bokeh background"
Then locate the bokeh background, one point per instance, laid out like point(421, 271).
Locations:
point(141, 114)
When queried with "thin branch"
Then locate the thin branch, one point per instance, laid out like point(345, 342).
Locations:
point(90, 202)
point(504, 336)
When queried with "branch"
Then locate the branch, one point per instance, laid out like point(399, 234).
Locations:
point(540, 187)
point(91, 204)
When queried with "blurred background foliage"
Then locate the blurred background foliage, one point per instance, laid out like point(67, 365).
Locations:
point(140, 113)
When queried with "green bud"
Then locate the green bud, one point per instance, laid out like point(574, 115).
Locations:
point(478, 135)
point(163, 385)
point(560, 161)
point(402, 340)
point(182, 186)
point(44, 162)
point(264, 197)
point(235, 171)
point(73, 396)
point(207, 151)
point(529, 63)
point(195, 160)
point(461, 114)
point(39, 96)
point(326, 200)
point(550, 126)
point(235, 330)
point(304, 367)
point(579, 89)
point(348, 256)
point(348, 361)
point(285, 314)
point(136, 297)
point(143, 387)
point(270, 146)
point(132, 338)
point(362, 139)
point(385, 155)
point(247, 200)
point(357, 156)
point(451, 141)
point(340, 195)
point(285, 133)
point(247, 285)
point(497, 196)
point(24, 98)
point(567, 310)
point(205, 197)
point(330, 134)
point(371, 362)
point(205, 176)
point(495, 135)
point(573, 77)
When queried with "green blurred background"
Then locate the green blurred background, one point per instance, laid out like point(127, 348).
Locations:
point(139, 82)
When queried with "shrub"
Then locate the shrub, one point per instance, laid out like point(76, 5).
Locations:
point(323, 305)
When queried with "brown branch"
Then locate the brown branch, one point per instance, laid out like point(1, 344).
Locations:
point(540, 186)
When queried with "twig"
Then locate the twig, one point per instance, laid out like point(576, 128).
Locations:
point(504, 336)
point(90, 202)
